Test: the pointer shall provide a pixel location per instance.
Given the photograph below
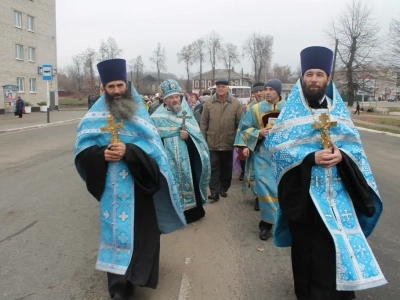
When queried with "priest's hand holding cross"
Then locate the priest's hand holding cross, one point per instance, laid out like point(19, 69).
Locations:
point(115, 152)
point(328, 157)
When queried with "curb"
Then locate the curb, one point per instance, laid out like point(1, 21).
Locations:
point(377, 131)
point(38, 126)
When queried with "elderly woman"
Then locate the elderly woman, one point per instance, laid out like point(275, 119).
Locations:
point(194, 99)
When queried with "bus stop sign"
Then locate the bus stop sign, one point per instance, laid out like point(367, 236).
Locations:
point(47, 72)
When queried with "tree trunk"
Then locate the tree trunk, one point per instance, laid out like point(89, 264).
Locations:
point(188, 78)
point(229, 74)
point(137, 79)
point(201, 76)
point(213, 67)
point(349, 73)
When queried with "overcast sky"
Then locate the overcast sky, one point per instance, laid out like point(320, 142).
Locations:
point(138, 25)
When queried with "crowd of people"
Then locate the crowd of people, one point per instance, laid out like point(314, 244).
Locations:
point(150, 160)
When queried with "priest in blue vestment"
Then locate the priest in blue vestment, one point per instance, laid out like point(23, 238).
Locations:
point(186, 149)
point(244, 154)
point(120, 156)
point(253, 128)
point(328, 199)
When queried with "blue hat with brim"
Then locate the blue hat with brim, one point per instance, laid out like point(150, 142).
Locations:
point(112, 70)
point(169, 87)
point(316, 57)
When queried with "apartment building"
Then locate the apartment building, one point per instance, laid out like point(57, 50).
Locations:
point(28, 40)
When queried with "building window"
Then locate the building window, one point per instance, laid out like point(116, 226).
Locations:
point(196, 84)
point(32, 54)
point(236, 82)
point(202, 83)
point(19, 52)
point(17, 19)
point(31, 24)
point(209, 83)
point(32, 85)
point(20, 84)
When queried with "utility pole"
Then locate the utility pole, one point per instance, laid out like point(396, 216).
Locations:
point(334, 59)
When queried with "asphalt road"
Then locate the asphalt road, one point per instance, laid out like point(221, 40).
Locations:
point(49, 232)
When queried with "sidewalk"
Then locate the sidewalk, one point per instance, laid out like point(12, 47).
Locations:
point(9, 122)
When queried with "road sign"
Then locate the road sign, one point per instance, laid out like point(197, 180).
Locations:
point(47, 72)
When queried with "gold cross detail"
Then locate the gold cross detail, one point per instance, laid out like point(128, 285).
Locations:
point(324, 125)
point(112, 128)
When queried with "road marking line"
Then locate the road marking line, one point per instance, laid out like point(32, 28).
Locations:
point(186, 285)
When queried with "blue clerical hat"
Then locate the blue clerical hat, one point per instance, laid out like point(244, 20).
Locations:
point(316, 57)
point(169, 87)
point(111, 70)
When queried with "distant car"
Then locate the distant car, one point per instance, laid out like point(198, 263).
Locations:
point(392, 99)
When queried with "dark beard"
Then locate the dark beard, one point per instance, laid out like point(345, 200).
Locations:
point(313, 97)
point(123, 108)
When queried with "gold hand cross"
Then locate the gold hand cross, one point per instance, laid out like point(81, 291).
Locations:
point(324, 126)
point(112, 128)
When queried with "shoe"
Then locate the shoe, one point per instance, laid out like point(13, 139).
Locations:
point(257, 205)
point(223, 194)
point(118, 296)
point(264, 234)
point(241, 177)
point(214, 197)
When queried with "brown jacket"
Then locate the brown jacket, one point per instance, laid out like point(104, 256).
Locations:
point(219, 122)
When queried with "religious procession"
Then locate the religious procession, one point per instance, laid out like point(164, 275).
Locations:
point(156, 165)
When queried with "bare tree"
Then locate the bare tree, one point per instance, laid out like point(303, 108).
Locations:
point(230, 56)
point(159, 58)
point(109, 49)
point(394, 46)
point(64, 82)
point(90, 56)
point(357, 34)
point(76, 71)
point(186, 55)
point(137, 67)
point(283, 73)
point(199, 50)
point(213, 41)
point(259, 49)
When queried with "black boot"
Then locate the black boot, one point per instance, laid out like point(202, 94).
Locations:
point(257, 205)
point(214, 196)
point(265, 230)
point(241, 177)
point(223, 194)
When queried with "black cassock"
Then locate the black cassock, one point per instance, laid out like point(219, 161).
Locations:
point(313, 250)
point(144, 265)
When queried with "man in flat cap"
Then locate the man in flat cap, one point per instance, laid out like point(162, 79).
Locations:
point(120, 156)
point(328, 199)
point(219, 122)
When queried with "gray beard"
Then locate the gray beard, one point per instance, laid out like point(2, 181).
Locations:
point(122, 109)
point(174, 109)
